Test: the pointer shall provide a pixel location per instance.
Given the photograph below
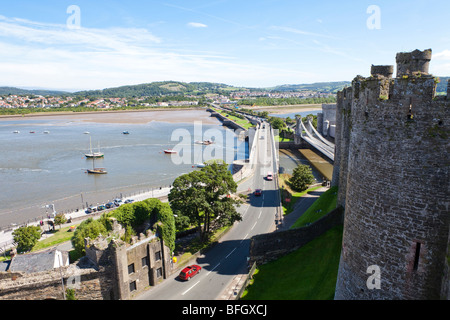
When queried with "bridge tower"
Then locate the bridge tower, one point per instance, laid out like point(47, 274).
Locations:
point(392, 169)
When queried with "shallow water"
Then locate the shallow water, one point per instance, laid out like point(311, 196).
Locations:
point(37, 169)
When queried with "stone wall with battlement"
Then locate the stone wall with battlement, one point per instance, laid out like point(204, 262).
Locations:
point(392, 169)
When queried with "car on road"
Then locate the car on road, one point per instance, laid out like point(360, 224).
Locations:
point(270, 176)
point(110, 205)
point(129, 201)
point(91, 209)
point(258, 192)
point(101, 207)
point(188, 272)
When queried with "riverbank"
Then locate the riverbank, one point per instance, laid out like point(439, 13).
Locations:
point(120, 116)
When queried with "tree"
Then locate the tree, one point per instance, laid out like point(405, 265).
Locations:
point(26, 237)
point(60, 219)
point(277, 123)
point(301, 178)
point(89, 228)
point(202, 197)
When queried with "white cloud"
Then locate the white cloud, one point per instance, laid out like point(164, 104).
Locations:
point(444, 55)
point(197, 25)
point(301, 32)
point(53, 56)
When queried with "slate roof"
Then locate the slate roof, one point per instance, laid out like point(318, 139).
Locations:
point(35, 262)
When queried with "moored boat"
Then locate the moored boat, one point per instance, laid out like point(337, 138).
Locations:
point(92, 154)
point(170, 151)
point(97, 171)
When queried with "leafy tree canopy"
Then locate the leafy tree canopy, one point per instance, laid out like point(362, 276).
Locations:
point(26, 237)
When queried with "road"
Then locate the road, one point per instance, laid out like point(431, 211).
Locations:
point(228, 258)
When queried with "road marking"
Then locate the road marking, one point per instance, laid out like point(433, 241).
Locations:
point(190, 288)
point(230, 253)
point(260, 214)
point(213, 268)
point(254, 225)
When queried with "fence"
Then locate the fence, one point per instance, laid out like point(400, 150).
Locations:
point(247, 280)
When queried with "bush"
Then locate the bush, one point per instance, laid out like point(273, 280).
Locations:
point(89, 228)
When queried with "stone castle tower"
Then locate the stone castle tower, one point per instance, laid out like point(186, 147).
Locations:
point(392, 168)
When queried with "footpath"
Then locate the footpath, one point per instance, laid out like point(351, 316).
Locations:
point(75, 217)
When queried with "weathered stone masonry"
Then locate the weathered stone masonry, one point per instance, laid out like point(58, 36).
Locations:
point(392, 169)
point(111, 270)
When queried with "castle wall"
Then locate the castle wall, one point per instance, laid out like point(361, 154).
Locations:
point(89, 284)
point(395, 187)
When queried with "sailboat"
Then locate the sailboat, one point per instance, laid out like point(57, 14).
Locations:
point(92, 155)
point(95, 170)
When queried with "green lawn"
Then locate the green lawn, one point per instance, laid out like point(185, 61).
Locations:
point(308, 273)
point(320, 207)
point(242, 122)
point(59, 236)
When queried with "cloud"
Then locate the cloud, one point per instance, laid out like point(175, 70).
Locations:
point(197, 25)
point(301, 32)
point(53, 56)
point(444, 55)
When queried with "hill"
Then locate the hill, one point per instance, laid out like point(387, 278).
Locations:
point(442, 85)
point(164, 88)
point(159, 89)
point(18, 91)
point(328, 87)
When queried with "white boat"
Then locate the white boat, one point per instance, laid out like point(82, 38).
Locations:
point(170, 151)
point(46, 132)
point(200, 165)
point(92, 154)
point(16, 131)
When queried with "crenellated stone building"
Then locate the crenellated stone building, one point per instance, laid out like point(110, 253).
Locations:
point(392, 168)
point(110, 270)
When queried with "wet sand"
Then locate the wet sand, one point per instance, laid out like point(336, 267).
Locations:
point(129, 116)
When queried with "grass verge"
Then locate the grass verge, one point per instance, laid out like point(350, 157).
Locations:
point(288, 193)
point(308, 273)
point(320, 207)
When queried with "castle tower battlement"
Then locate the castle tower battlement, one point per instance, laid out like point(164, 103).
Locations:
point(413, 62)
point(392, 169)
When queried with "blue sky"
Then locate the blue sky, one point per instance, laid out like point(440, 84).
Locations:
point(243, 43)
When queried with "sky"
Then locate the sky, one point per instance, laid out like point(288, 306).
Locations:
point(96, 44)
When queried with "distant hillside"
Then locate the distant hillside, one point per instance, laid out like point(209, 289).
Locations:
point(442, 85)
point(17, 91)
point(158, 89)
point(328, 87)
point(163, 88)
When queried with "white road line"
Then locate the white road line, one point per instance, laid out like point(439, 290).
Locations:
point(260, 214)
point(190, 288)
point(230, 253)
point(213, 268)
point(254, 225)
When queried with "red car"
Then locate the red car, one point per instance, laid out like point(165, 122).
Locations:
point(188, 272)
point(258, 192)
